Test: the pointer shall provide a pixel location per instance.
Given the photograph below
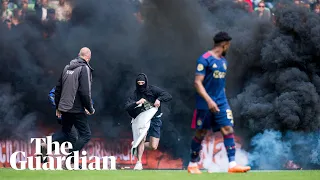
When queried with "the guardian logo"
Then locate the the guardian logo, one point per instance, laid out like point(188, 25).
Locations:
point(62, 160)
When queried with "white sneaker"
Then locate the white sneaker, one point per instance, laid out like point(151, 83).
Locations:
point(138, 166)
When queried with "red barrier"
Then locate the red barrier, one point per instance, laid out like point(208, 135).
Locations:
point(213, 152)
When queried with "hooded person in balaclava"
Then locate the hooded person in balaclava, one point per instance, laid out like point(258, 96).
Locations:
point(140, 86)
point(146, 93)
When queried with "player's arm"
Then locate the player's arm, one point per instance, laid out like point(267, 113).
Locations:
point(202, 65)
point(203, 93)
point(200, 88)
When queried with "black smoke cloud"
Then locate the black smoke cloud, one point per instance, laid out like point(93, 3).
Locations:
point(280, 92)
point(121, 48)
point(273, 78)
point(281, 88)
point(31, 64)
point(13, 114)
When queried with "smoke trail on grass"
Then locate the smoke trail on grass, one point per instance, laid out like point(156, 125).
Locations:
point(273, 150)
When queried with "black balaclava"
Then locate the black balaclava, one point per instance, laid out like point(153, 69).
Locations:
point(143, 88)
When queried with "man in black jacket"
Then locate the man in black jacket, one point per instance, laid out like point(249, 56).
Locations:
point(154, 95)
point(73, 98)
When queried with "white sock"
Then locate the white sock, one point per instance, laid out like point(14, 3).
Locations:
point(193, 164)
point(232, 164)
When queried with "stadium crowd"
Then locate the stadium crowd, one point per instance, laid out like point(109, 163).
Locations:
point(14, 12)
point(265, 8)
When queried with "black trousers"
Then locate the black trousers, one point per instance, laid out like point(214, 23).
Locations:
point(80, 122)
point(60, 137)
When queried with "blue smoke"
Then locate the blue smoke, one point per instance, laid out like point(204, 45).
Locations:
point(272, 150)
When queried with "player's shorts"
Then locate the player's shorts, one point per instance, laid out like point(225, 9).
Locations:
point(155, 127)
point(205, 119)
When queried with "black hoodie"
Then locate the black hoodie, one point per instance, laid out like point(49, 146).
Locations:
point(73, 91)
point(149, 93)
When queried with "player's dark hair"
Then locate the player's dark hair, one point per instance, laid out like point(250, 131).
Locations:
point(221, 37)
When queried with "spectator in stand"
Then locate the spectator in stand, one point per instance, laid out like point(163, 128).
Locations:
point(63, 10)
point(297, 2)
point(24, 5)
point(25, 8)
point(313, 4)
point(8, 23)
point(269, 3)
point(12, 4)
point(262, 12)
point(51, 15)
point(49, 25)
point(49, 29)
point(41, 8)
point(307, 5)
point(246, 4)
point(317, 9)
point(280, 4)
point(301, 3)
point(5, 12)
point(137, 5)
point(243, 4)
point(16, 18)
point(249, 5)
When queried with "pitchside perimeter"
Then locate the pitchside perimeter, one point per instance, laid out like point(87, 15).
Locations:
point(10, 174)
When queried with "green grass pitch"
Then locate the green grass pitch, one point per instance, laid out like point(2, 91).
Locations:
point(9, 174)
